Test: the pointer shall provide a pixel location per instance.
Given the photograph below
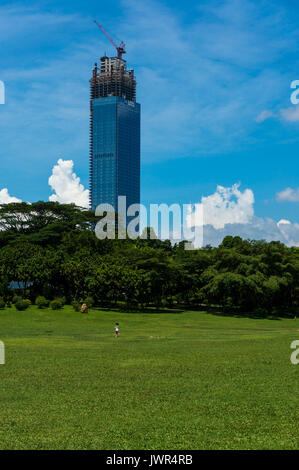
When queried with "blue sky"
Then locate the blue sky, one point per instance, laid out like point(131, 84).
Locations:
point(213, 81)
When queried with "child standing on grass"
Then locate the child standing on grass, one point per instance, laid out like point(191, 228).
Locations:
point(84, 308)
point(116, 330)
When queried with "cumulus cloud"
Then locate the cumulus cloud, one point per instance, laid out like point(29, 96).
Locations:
point(230, 211)
point(288, 194)
point(67, 186)
point(283, 222)
point(5, 198)
point(225, 206)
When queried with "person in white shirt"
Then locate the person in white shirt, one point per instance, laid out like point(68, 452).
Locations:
point(116, 330)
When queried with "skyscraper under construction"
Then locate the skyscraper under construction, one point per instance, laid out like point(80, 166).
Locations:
point(114, 133)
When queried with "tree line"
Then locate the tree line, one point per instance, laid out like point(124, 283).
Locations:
point(50, 249)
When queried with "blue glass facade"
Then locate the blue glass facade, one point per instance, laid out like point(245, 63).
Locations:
point(115, 151)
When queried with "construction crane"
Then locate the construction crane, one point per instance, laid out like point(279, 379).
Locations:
point(120, 49)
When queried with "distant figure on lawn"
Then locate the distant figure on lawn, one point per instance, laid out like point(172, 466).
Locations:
point(84, 308)
point(116, 330)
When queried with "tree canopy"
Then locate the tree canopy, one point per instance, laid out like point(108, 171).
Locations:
point(50, 249)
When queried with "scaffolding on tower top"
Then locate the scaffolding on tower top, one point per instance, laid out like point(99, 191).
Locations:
point(111, 78)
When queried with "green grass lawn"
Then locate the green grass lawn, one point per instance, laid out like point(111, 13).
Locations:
point(186, 380)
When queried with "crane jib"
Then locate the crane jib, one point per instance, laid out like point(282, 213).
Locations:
point(121, 49)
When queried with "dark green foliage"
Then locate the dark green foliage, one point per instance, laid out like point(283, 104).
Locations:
point(89, 302)
point(16, 299)
point(50, 250)
point(2, 303)
point(41, 302)
point(22, 304)
point(56, 304)
point(76, 305)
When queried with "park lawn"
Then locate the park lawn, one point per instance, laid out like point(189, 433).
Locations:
point(187, 380)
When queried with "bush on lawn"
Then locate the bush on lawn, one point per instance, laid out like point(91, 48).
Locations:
point(2, 303)
point(16, 299)
point(56, 304)
point(41, 302)
point(76, 305)
point(89, 302)
point(261, 312)
point(22, 304)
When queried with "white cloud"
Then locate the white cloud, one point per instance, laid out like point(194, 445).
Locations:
point(66, 185)
point(5, 198)
point(290, 114)
point(264, 115)
point(288, 194)
point(64, 182)
point(283, 222)
point(225, 206)
point(230, 211)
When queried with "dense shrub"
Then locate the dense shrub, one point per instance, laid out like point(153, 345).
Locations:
point(89, 302)
point(22, 304)
point(41, 302)
point(56, 304)
point(76, 306)
point(261, 312)
point(16, 299)
point(2, 303)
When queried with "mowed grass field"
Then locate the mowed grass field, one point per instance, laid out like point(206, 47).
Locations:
point(187, 380)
